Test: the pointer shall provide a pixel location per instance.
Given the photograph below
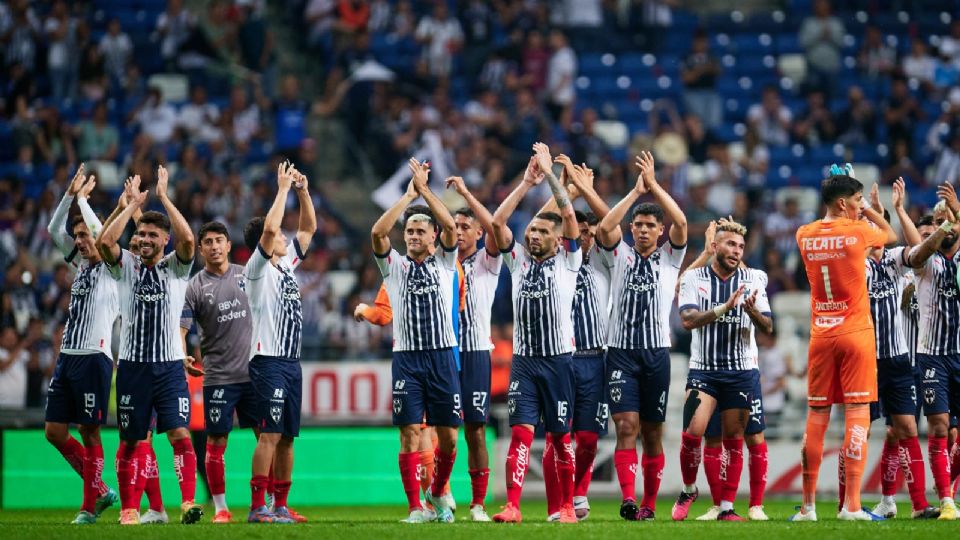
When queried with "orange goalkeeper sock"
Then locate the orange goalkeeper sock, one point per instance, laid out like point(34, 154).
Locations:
point(812, 452)
point(854, 450)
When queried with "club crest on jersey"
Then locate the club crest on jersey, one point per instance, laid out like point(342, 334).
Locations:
point(276, 412)
point(241, 282)
point(214, 414)
point(397, 405)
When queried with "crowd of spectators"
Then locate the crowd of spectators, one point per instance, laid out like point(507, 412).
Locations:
point(486, 78)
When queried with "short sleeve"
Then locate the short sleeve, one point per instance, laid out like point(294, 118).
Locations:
point(388, 262)
point(189, 306)
point(763, 301)
point(514, 256)
point(176, 267)
point(608, 256)
point(672, 254)
point(571, 253)
point(124, 266)
point(447, 257)
point(490, 263)
point(596, 261)
point(898, 257)
point(295, 254)
point(688, 292)
point(257, 264)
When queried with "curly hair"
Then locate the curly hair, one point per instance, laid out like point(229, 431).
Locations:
point(731, 226)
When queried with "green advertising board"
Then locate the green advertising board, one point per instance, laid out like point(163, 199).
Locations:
point(333, 466)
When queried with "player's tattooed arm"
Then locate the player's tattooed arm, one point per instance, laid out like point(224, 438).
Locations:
point(764, 323)
point(380, 233)
point(678, 226)
point(693, 318)
point(545, 161)
point(531, 177)
point(910, 233)
point(183, 241)
point(919, 255)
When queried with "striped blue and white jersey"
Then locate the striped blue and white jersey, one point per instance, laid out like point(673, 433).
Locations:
point(422, 298)
point(911, 315)
point(939, 301)
point(642, 296)
point(151, 301)
point(482, 273)
point(885, 288)
point(275, 305)
point(591, 305)
point(543, 294)
point(729, 342)
point(93, 294)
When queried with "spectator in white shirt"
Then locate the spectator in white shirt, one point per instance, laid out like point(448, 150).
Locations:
point(950, 45)
point(920, 65)
point(561, 74)
point(60, 30)
point(174, 26)
point(13, 369)
point(199, 118)
point(157, 118)
point(442, 36)
point(116, 48)
point(770, 118)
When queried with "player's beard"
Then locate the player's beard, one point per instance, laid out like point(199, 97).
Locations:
point(949, 241)
point(725, 265)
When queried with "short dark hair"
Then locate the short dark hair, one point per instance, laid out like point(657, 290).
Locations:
point(465, 212)
point(252, 232)
point(839, 186)
point(587, 217)
point(213, 227)
point(418, 209)
point(552, 217)
point(158, 219)
point(648, 209)
point(925, 221)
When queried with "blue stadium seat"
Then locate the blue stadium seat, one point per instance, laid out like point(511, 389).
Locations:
point(788, 43)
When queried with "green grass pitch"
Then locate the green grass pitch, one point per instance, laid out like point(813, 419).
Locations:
point(354, 523)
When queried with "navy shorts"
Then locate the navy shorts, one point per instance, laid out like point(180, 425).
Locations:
point(897, 385)
point(590, 412)
point(940, 382)
point(426, 382)
point(639, 381)
point(220, 401)
point(542, 387)
point(475, 385)
point(79, 391)
point(278, 387)
point(145, 387)
point(757, 422)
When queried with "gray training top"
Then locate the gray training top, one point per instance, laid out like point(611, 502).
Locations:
point(220, 306)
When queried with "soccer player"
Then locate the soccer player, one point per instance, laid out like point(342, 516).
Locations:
point(842, 355)
point(938, 348)
point(591, 309)
point(481, 270)
point(722, 304)
point(277, 317)
point(713, 453)
point(644, 279)
point(425, 379)
point(895, 370)
point(80, 386)
point(150, 375)
point(216, 299)
point(544, 275)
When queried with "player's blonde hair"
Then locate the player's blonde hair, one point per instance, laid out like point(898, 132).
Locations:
point(941, 206)
point(731, 226)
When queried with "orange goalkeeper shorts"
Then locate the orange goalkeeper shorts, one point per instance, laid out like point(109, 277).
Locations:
point(842, 369)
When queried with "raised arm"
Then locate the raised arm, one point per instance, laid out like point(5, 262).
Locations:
point(480, 212)
point(582, 179)
point(107, 243)
point(910, 233)
point(448, 227)
point(918, 256)
point(380, 234)
point(762, 321)
point(308, 214)
point(678, 221)
point(875, 214)
point(57, 226)
point(704, 258)
point(271, 223)
point(89, 216)
point(531, 177)
point(608, 231)
point(545, 161)
point(692, 318)
point(183, 242)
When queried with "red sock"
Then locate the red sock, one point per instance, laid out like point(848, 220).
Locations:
point(586, 454)
point(271, 479)
point(566, 467)
point(911, 463)
point(625, 461)
point(841, 480)
point(152, 486)
point(939, 465)
point(215, 467)
point(712, 456)
point(955, 462)
point(410, 476)
point(478, 485)
point(73, 452)
point(127, 475)
point(551, 480)
point(652, 474)
point(889, 467)
point(443, 469)
point(758, 472)
point(730, 475)
point(280, 491)
point(518, 459)
point(689, 458)
point(92, 477)
point(258, 491)
point(185, 465)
